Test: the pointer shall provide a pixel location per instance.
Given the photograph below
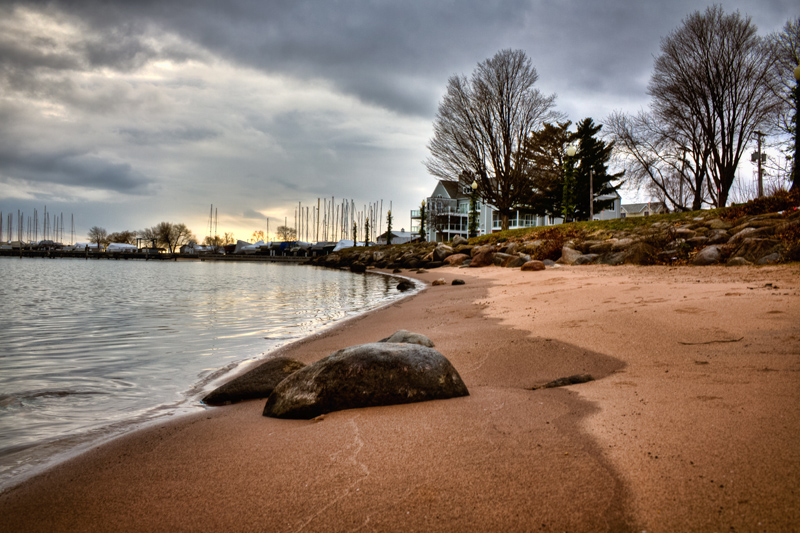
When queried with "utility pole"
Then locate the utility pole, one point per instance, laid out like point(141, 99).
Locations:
point(760, 134)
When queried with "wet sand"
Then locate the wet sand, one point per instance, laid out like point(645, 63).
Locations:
point(691, 423)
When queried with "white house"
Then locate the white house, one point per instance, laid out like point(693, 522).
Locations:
point(398, 237)
point(643, 210)
point(447, 214)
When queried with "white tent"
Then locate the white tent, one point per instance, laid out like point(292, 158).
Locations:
point(121, 247)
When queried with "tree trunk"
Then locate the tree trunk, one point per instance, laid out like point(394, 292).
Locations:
point(504, 221)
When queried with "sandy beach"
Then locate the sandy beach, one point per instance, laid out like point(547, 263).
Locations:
point(691, 423)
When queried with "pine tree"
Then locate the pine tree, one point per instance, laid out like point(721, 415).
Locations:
point(389, 227)
point(560, 183)
point(545, 155)
point(593, 155)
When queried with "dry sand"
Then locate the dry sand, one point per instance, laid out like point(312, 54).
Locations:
point(691, 424)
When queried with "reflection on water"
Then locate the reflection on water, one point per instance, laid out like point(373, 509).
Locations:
point(85, 344)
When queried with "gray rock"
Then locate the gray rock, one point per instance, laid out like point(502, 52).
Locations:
point(441, 252)
point(612, 258)
point(709, 255)
point(641, 253)
point(586, 259)
point(601, 247)
point(515, 262)
point(742, 235)
point(458, 239)
point(501, 258)
point(719, 224)
point(512, 248)
point(405, 336)
point(549, 262)
point(620, 245)
point(365, 376)
point(697, 241)
point(738, 261)
point(718, 236)
point(568, 255)
point(754, 249)
point(405, 286)
point(770, 259)
point(256, 384)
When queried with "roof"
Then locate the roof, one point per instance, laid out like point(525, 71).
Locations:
point(451, 188)
point(638, 208)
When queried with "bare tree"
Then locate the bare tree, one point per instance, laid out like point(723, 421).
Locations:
point(285, 233)
point(716, 72)
point(480, 127)
point(670, 163)
point(786, 47)
point(126, 237)
point(168, 235)
point(98, 235)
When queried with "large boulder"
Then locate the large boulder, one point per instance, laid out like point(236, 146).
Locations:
point(532, 266)
point(255, 384)
point(754, 249)
point(441, 252)
point(366, 375)
point(455, 259)
point(641, 253)
point(710, 255)
point(459, 240)
point(568, 255)
point(483, 257)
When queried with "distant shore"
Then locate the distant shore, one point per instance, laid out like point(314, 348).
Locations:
point(71, 254)
point(689, 424)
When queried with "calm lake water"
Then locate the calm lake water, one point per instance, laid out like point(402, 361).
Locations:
point(90, 348)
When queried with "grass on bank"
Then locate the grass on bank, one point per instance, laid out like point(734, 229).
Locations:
point(782, 201)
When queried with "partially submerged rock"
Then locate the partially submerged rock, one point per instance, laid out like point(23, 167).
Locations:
point(405, 286)
point(366, 375)
point(255, 384)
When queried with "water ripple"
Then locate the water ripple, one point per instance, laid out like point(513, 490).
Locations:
point(87, 344)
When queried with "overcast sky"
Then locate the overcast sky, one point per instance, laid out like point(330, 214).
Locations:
point(128, 113)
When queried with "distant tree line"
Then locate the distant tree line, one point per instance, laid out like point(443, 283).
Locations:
point(716, 83)
point(165, 235)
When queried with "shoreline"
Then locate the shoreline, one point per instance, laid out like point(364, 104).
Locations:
point(678, 402)
point(25, 462)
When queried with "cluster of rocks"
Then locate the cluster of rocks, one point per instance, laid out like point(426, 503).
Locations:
point(703, 240)
point(402, 368)
point(756, 240)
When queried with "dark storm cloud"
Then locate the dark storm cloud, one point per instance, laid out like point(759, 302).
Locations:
point(398, 55)
point(73, 169)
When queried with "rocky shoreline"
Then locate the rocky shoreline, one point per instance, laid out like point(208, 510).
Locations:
point(705, 238)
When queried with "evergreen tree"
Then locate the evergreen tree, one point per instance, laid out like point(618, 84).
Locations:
point(389, 227)
point(546, 160)
point(560, 183)
point(593, 155)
